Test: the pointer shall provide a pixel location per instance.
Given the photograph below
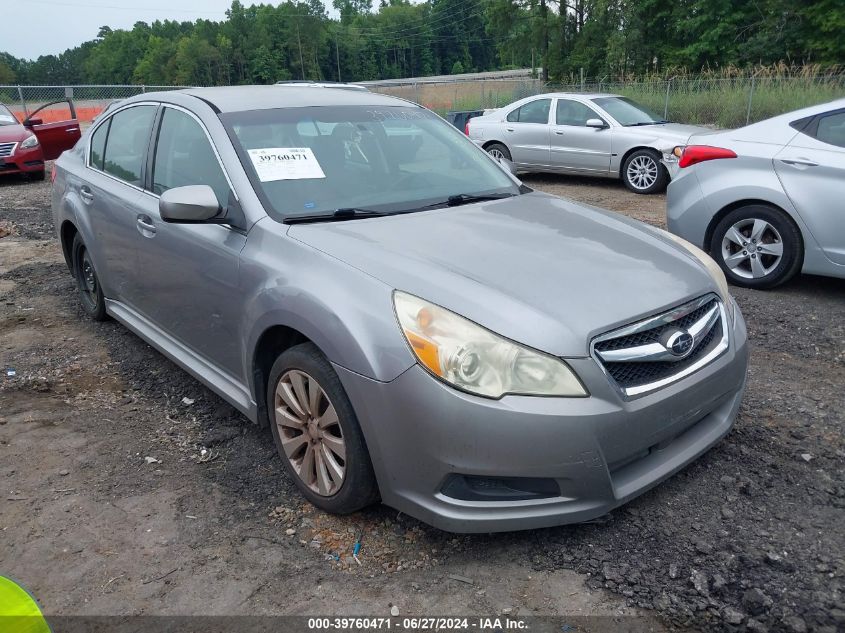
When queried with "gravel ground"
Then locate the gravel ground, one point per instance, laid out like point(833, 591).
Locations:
point(127, 487)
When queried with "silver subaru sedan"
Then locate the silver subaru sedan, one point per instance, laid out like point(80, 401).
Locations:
point(410, 321)
point(589, 134)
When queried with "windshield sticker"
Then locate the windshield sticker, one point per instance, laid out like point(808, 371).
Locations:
point(285, 163)
point(7, 118)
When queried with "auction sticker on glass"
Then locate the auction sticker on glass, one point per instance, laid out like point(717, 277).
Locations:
point(285, 163)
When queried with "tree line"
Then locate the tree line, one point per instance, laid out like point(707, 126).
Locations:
point(299, 40)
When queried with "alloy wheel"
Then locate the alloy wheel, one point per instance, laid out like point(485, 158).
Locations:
point(88, 278)
point(752, 248)
point(642, 172)
point(310, 432)
point(496, 153)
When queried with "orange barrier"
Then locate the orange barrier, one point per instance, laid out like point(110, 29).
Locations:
point(62, 114)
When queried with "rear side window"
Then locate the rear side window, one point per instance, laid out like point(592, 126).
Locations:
point(831, 129)
point(534, 112)
point(98, 145)
point(126, 148)
point(184, 156)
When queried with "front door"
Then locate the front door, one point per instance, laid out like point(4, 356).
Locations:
point(56, 126)
point(189, 272)
point(812, 170)
point(573, 145)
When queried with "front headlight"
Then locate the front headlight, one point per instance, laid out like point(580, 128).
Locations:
point(29, 142)
point(711, 266)
point(469, 357)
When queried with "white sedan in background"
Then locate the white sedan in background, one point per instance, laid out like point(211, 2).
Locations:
point(588, 134)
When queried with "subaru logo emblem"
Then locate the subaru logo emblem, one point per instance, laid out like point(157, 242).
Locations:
point(679, 343)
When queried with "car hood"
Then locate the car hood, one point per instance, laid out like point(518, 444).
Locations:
point(537, 269)
point(667, 133)
point(12, 133)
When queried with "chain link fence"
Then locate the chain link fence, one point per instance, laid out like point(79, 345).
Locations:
point(88, 101)
point(716, 102)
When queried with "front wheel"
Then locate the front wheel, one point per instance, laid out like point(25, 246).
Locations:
point(757, 246)
point(317, 433)
point(642, 172)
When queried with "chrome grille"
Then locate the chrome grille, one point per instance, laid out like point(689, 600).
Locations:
point(7, 149)
point(639, 358)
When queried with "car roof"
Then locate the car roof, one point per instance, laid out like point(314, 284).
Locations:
point(579, 95)
point(241, 98)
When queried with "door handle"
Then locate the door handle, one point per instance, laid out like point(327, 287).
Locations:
point(799, 162)
point(86, 194)
point(559, 132)
point(509, 129)
point(72, 130)
point(146, 226)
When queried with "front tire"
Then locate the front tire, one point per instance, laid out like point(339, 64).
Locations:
point(642, 172)
point(757, 246)
point(317, 433)
point(87, 283)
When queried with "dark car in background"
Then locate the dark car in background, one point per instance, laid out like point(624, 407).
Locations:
point(24, 147)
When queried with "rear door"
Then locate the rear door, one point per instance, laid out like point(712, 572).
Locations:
point(526, 133)
point(56, 126)
point(112, 193)
point(812, 170)
point(574, 146)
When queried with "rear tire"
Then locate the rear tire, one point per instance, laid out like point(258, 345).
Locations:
point(497, 150)
point(309, 410)
point(642, 172)
point(757, 246)
point(87, 283)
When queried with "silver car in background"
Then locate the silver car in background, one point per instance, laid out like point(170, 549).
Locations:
point(589, 134)
point(766, 200)
point(409, 320)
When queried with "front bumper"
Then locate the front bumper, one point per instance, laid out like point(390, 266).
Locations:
point(602, 451)
point(23, 161)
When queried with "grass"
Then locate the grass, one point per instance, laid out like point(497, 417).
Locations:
point(718, 99)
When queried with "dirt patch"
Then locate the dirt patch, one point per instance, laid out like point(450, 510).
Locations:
point(130, 488)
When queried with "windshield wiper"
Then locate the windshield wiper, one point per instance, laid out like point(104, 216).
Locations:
point(344, 213)
point(468, 198)
point(647, 123)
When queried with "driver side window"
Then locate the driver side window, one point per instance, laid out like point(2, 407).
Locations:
point(532, 112)
point(573, 113)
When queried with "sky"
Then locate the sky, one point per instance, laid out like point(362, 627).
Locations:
point(41, 27)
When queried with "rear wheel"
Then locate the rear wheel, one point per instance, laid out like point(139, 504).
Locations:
point(498, 151)
point(317, 433)
point(757, 246)
point(87, 283)
point(642, 172)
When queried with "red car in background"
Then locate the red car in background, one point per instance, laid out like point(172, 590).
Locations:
point(25, 146)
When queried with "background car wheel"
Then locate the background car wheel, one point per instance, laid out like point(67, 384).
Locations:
point(87, 282)
point(317, 433)
point(643, 172)
point(37, 175)
point(757, 246)
point(497, 150)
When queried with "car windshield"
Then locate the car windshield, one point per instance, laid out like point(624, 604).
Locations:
point(6, 116)
point(627, 112)
point(313, 161)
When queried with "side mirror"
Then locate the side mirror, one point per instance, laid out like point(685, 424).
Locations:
point(192, 204)
point(596, 123)
point(31, 122)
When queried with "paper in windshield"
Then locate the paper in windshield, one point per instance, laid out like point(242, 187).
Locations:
point(285, 163)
